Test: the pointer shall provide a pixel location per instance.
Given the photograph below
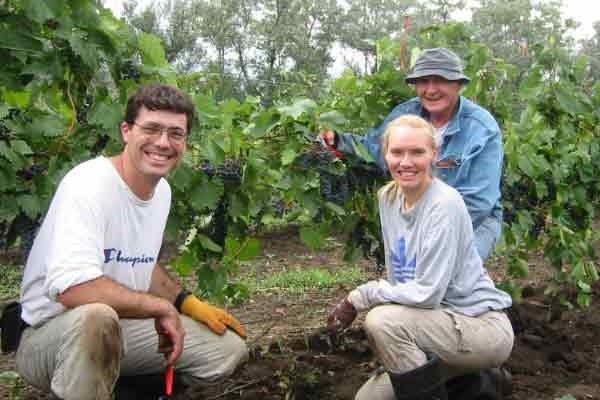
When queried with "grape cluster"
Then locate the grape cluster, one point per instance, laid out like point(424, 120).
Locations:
point(26, 229)
point(316, 157)
point(83, 109)
point(371, 245)
point(217, 229)
point(100, 144)
point(3, 241)
point(334, 188)
point(129, 71)
point(4, 131)
point(278, 206)
point(358, 175)
point(362, 175)
point(30, 172)
point(207, 168)
point(521, 195)
point(230, 171)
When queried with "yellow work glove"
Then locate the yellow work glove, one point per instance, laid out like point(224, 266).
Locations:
point(215, 318)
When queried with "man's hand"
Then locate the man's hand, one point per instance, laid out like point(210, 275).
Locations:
point(328, 137)
point(170, 334)
point(215, 318)
point(341, 317)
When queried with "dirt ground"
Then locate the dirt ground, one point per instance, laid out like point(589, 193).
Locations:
point(556, 354)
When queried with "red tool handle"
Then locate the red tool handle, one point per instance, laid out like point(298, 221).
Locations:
point(169, 380)
point(336, 152)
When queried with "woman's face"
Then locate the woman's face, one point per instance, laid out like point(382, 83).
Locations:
point(409, 156)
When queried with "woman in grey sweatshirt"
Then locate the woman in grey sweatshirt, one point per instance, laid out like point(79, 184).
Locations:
point(438, 310)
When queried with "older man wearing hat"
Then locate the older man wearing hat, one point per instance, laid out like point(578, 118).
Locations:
point(471, 154)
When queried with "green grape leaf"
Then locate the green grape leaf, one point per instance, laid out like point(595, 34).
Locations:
point(569, 101)
point(298, 108)
point(232, 246)
point(30, 205)
point(48, 125)
point(106, 115)
point(3, 111)
point(288, 156)
point(86, 49)
point(8, 208)
point(249, 250)
point(335, 208)
point(207, 109)
point(525, 165)
point(17, 99)
point(206, 195)
point(41, 11)
point(15, 40)
point(10, 155)
point(153, 53)
point(208, 244)
point(213, 152)
point(185, 263)
point(334, 120)
point(262, 124)
point(181, 177)
point(21, 147)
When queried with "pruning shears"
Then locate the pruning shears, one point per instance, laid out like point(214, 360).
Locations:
point(169, 375)
point(333, 150)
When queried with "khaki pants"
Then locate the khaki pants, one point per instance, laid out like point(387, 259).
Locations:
point(80, 353)
point(400, 336)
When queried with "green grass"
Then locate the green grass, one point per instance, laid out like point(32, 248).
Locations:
point(10, 281)
point(299, 280)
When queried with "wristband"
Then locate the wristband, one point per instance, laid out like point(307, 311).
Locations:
point(180, 298)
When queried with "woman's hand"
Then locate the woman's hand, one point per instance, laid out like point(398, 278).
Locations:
point(341, 317)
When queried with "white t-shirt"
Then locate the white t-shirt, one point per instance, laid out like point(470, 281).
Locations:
point(95, 226)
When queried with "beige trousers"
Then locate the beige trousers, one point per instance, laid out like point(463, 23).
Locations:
point(400, 336)
point(79, 354)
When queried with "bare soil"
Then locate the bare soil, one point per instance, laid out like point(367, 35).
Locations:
point(557, 352)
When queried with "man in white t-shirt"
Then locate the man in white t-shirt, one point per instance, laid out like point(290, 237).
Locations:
point(96, 303)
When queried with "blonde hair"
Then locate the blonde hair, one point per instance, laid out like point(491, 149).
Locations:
point(392, 190)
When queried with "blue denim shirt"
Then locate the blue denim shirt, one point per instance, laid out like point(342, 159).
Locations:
point(470, 158)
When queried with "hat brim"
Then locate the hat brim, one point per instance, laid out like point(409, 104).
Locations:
point(448, 75)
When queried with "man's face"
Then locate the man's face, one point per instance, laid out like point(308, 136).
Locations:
point(438, 95)
point(154, 143)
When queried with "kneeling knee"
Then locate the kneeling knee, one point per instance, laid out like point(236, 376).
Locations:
point(100, 329)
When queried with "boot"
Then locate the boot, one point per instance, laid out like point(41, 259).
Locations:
point(422, 383)
point(139, 387)
point(488, 384)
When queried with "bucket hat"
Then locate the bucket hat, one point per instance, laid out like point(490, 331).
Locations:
point(438, 61)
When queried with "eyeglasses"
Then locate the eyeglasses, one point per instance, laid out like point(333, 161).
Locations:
point(175, 135)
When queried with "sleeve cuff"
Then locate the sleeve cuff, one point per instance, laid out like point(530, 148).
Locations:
point(54, 287)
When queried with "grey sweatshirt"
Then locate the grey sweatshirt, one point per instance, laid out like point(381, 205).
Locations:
point(431, 258)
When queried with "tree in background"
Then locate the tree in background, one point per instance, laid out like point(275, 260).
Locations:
point(510, 28)
point(438, 11)
point(365, 21)
point(591, 49)
point(271, 48)
point(180, 39)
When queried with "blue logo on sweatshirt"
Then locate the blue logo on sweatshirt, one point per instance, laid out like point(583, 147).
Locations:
point(403, 271)
point(114, 254)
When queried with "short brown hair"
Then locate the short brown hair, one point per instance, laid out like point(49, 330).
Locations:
point(160, 97)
